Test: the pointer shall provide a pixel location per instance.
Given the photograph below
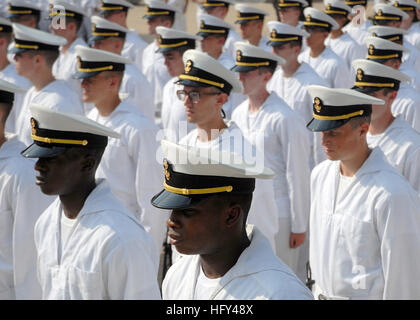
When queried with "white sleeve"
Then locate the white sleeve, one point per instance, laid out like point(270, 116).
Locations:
point(29, 204)
point(129, 272)
point(295, 143)
point(398, 226)
point(148, 182)
point(412, 170)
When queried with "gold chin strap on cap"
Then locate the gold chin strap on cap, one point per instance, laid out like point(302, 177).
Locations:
point(173, 45)
point(252, 64)
point(187, 192)
point(26, 46)
point(107, 68)
point(248, 18)
point(197, 79)
point(62, 141)
point(111, 8)
point(372, 84)
point(342, 117)
point(283, 39)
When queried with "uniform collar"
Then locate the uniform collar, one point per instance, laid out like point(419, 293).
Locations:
point(374, 163)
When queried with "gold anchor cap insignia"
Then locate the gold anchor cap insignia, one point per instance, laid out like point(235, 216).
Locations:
point(166, 166)
point(238, 55)
point(359, 74)
point(371, 49)
point(188, 66)
point(379, 12)
point(33, 124)
point(317, 104)
point(273, 33)
point(308, 17)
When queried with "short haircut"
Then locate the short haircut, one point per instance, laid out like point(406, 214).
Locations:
point(48, 55)
point(6, 35)
point(357, 121)
point(270, 69)
point(228, 199)
point(78, 152)
point(78, 22)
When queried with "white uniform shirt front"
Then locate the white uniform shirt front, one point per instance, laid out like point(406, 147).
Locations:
point(57, 95)
point(10, 74)
point(229, 45)
point(108, 254)
point(359, 32)
point(367, 246)
point(263, 44)
point(400, 144)
point(410, 60)
point(174, 118)
point(137, 90)
point(280, 136)
point(257, 275)
point(21, 204)
point(407, 104)
point(129, 164)
point(133, 48)
point(66, 66)
point(293, 91)
point(347, 48)
point(155, 71)
point(330, 67)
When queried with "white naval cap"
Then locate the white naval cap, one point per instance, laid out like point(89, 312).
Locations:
point(155, 8)
point(72, 11)
point(281, 33)
point(387, 12)
point(405, 5)
point(333, 107)
point(292, 3)
point(109, 6)
point(337, 7)
point(102, 29)
point(170, 39)
point(27, 38)
point(380, 49)
point(8, 90)
point(247, 13)
point(315, 18)
point(18, 8)
point(250, 57)
point(192, 174)
point(201, 70)
point(5, 25)
point(373, 76)
point(93, 61)
point(211, 25)
point(387, 33)
point(54, 132)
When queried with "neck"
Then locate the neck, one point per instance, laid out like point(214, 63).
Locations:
point(380, 124)
point(67, 46)
point(257, 100)
point(336, 34)
point(255, 40)
point(215, 53)
point(290, 68)
point(210, 130)
point(317, 50)
point(42, 79)
point(72, 203)
point(2, 137)
point(107, 106)
point(217, 264)
point(349, 167)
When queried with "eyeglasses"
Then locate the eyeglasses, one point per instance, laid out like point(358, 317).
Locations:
point(194, 96)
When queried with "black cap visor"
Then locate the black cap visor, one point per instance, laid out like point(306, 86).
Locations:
point(37, 151)
point(237, 68)
point(169, 200)
point(316, 125)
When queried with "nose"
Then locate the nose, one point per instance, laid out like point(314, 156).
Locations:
point(40, 165)
point(174, 222)
point(324, 138)
point(84, 83)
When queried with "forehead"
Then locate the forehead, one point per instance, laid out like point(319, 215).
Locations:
point(197, 89)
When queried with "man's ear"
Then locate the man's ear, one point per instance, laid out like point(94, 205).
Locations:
point(233, 215)
point(88, 164)
point(221, 99)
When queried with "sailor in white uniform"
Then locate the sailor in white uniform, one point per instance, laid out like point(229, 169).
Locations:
point(89, 246)
point(8, 73)
point(219, 9)
point(134, 87)
point(329, 66)
point(214, 33)
point(24, 12)
point(251, 23)
point(117, 11)
point(224, 257)
point(172, 44)
point(21, 204)
point(291, 79)
point(412, 23)
point(340, 41)
point(408, 99)
point(357, 28)
point(158, 13)
point(364, 221)
point(398, 35)
point(129, 164)
point(280, 206)
point(207, 86)
point(290, 11)
point(35, 52)
point(392, 16)
point(72, 17)
point(399, 142)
